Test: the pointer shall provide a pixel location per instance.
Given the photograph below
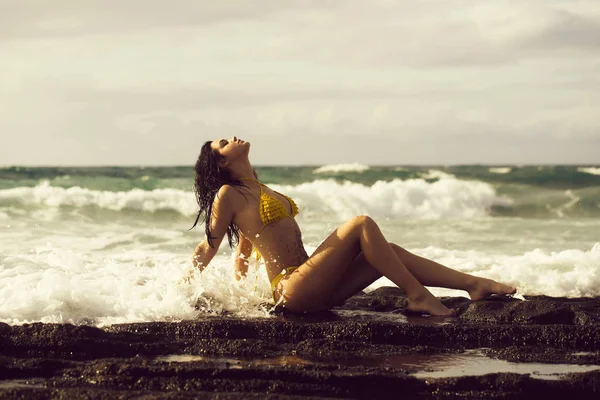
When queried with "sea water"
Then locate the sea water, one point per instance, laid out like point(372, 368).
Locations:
point(107, 245)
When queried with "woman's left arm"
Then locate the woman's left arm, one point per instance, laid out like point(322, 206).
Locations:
point(242, 255)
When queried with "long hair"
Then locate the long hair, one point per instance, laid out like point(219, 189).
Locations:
point(207, 182)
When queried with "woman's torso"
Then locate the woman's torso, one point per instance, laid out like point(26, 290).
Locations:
point(279, 242)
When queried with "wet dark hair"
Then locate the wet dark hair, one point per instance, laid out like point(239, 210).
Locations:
point(207, 182)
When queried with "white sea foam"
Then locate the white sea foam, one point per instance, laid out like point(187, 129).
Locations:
point(335, 168)
point(415, 198)
point(54, 285)
point(593, 171)
point(500, 170)
point(436, 174)
point(136, 199)
point(573, 199)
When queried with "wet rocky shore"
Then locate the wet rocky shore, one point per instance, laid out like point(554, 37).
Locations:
point(366, 348)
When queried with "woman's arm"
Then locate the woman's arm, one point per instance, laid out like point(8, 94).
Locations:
point(203, 254)
point(222, 215)
point(242, 254)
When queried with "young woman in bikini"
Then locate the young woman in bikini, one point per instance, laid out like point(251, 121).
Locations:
point(236, 204)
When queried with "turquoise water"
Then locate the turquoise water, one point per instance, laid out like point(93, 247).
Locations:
point(110, 244)
point(535, 191)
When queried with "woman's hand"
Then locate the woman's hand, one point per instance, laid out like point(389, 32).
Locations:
point(186, 279)
point(203, 253)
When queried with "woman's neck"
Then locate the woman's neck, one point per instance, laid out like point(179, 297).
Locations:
point(241, 170)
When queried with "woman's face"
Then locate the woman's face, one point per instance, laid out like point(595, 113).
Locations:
point(231, 149)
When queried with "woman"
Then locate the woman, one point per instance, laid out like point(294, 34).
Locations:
point(356, 254)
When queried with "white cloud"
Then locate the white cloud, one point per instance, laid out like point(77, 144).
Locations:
point(128, 72)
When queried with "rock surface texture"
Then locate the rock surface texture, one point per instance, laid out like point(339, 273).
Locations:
point(366, 348)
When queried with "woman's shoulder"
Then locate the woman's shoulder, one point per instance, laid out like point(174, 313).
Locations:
point(230, 194)
point(225, 192)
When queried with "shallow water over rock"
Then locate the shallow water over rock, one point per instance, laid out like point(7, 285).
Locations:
point(468, 363)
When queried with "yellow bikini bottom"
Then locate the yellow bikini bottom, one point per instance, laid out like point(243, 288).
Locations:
point(276, 280)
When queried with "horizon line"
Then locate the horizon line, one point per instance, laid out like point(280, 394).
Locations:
point(300, 165)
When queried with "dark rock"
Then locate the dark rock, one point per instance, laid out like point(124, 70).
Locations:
point(332, 354)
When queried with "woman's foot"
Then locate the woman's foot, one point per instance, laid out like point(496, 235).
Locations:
point(430, 305)
point(483, 288)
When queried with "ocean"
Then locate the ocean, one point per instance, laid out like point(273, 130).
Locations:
point(105, 245)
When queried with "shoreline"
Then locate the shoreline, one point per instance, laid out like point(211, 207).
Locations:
point(365, 348)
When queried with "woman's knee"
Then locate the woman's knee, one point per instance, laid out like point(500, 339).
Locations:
point(360, 224)
point(363, 220)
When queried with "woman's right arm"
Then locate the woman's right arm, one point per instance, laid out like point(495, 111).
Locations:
point(222, 215)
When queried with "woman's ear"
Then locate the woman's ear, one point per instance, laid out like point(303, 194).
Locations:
point(223, 162)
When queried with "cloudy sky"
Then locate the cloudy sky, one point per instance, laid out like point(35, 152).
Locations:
point(88, 82)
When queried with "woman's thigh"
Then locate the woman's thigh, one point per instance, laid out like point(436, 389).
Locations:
point(310, 287)
point(358, 276)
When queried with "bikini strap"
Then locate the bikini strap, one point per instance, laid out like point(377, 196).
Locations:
point(260, 184)
point(253, 180)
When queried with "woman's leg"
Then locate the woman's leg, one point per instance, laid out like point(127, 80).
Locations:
point(310, 287)
point(430, 273)
point(358, 276)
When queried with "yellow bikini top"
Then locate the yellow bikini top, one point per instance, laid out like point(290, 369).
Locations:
point(272, 209)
